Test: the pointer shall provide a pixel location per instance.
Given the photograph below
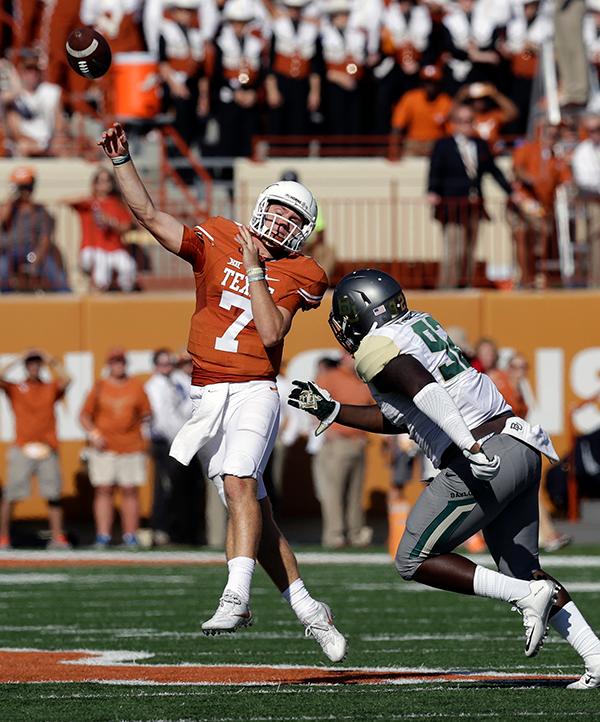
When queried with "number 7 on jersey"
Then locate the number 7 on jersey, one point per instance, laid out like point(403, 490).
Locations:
point(228, 341)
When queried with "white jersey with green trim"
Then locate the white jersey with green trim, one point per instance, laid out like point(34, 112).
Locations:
point(475, 394)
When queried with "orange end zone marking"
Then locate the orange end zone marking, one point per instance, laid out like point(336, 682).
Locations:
point(25, 665)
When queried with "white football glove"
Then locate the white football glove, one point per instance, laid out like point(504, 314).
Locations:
point(482, 468)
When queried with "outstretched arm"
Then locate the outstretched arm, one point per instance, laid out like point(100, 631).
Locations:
point(167, 230)
point(311, 398)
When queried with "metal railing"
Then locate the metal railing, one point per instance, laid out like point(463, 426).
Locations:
point(391, 232)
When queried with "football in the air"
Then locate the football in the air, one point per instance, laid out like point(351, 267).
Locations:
point(88, 53)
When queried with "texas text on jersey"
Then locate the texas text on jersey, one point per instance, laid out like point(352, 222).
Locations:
point(224, 343)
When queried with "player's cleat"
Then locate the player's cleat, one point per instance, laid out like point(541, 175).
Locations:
point(591, 678)
point(535, 608)
point(231, 614)
point(320, 626)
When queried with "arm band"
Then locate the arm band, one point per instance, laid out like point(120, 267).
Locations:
point(436, 403)
point(120, 159)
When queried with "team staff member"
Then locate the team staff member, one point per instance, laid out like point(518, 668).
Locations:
point(340, 464)
point(489, 459)
point(112, 415)
point(35, 451)
point(249, 285)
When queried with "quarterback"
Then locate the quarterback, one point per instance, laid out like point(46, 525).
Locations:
point(249, 284)
point(489, 459)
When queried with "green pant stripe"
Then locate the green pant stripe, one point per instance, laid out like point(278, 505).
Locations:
point(442, 526)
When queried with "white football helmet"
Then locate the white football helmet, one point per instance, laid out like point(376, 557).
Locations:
point(292, 195)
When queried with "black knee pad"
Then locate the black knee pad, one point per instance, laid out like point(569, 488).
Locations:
point(55, 503)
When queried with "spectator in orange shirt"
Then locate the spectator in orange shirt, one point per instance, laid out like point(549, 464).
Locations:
point(340, 464)
point(34, 452)
point(538, 173)
point(112, 416)
point(104, 219)
point(420, 115)
point(492, 110)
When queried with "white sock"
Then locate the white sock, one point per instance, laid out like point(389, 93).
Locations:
point(571, 625)
point(241, 570)
point(300, 600)
point(487, 583)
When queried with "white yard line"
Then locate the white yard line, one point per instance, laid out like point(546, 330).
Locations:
point(208, 557)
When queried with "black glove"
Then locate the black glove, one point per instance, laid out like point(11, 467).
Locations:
point(314, 400)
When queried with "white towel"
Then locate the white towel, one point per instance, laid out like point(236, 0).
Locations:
point(208, 407)
point(532, 435)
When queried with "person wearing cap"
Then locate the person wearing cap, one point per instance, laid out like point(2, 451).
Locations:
point(112, 416)
point(293, 82)
point(35, 449)
point(344, 50)
point(29, 260)
point(419, 119)
point(528, 29)
point(238, 77)
point(458, 163)
point(492, 109)
point(33, 110)
point(184, 66)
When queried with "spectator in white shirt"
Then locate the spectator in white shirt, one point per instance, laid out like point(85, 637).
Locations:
point(168, 416)
point(585, 164)
point(33, 110)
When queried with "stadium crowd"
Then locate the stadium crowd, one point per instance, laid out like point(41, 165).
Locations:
point(128, 419)
point(231, 69)
point(454, 80)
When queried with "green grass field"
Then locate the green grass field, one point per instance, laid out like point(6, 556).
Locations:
point(157, 610)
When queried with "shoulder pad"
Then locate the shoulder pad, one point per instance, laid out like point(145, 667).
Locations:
point(373, 355)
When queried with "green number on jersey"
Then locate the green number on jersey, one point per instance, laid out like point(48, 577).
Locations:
point(426, 330)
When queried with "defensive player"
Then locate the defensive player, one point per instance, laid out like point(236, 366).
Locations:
point(249, 285)
point(489, 460)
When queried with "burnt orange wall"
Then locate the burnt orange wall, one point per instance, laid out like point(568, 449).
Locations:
point(567, 321)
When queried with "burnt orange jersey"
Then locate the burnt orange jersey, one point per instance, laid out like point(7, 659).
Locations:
point(224, 342)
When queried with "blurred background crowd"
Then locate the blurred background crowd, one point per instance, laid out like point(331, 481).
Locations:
point(507, 88)
point(130, 420)
point(452, 143)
